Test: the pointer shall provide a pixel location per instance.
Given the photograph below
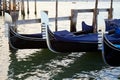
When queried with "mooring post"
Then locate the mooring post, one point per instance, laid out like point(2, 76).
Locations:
point(4, 6)
point(95, 13)
point(14, 5)
point(56, 16)
point(73, 20)
point(9, 5)
point(22, 8)
point(0, 8)
point(35, 7)
point(110, 13)
point(28, 7)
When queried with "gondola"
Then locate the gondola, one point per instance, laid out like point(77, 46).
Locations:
point(65, 41)
point(32, 41)
point(23, 41)
point(111, 50)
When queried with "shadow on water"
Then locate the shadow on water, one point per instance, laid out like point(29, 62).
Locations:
point(30, 64)
point(86, 63)
point(47, 65)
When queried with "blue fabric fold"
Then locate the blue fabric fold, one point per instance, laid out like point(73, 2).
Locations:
point(70, 37)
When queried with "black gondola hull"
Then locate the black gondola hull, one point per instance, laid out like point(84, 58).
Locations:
point(61, 46)
point(27, 44)
point(25, 41)
point(111, 54)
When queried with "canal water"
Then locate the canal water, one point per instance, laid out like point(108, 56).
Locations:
point(42, 64)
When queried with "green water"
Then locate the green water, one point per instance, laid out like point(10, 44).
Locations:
point(46, 65)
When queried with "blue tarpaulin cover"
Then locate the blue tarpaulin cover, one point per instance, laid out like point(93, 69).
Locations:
point(68, 36)
point(111, 24)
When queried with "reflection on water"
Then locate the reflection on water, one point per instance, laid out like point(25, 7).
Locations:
point(46, 65)
point(41, 64)
point(31, 65)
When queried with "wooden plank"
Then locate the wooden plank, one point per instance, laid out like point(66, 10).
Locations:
point(91, 10)
point(32, 21)
point(83, 10)
point(64, 18)
point(61, 18)
point(103, 10)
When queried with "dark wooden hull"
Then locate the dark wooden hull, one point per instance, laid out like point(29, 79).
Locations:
point(61, 46)
point(25, 41)
point(66, 46)
point(111, 54)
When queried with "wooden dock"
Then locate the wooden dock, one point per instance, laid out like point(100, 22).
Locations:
point(8, 6)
